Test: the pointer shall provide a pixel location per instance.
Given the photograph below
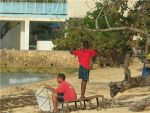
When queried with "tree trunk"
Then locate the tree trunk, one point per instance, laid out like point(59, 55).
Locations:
point(147, 45)
point(121, 86)
point(127, 72)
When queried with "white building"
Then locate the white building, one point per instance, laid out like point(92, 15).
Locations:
point(23, 13)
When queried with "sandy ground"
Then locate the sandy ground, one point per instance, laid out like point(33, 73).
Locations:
point(21, 99)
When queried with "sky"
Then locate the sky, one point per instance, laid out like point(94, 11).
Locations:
point(89, 5)
point(131, 4)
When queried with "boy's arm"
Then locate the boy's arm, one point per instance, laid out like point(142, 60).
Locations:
point(94, 53)
point(50, 88)
point(60, 89)
point(75, 52)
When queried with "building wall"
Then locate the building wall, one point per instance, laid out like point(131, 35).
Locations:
point(0, 43)
point(0, 34)
point(79, 8)
point(0, 28)
point(11, 39)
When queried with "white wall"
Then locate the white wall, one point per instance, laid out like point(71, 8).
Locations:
point(0, 43)
point(24, 35)
point(79, 8)
point(11, 39)
point(45, 45)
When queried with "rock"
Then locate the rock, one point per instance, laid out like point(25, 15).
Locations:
point(141, 105)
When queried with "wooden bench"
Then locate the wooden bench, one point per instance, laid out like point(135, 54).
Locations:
point(83, 102)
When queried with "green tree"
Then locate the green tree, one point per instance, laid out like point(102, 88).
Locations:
point(108, 31)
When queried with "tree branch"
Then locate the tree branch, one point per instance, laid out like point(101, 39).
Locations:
point(107, 21)
point(115, 28)
point(136, 30)
point(96, 21)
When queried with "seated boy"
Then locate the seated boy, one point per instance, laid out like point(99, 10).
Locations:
point(64, 91)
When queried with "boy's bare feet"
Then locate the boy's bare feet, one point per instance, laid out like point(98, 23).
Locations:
point(81, 98)
point(55, 111)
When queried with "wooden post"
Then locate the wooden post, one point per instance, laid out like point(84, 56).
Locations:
point(81, 104)
point(67, 107)
point(84, 104)
point(97, 100)
point(90, 103)
point(76, 106)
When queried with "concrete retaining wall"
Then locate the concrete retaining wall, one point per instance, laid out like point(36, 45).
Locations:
point(37, 59)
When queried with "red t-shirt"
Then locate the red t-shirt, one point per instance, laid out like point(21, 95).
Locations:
point(84, 56)
point(67, 90)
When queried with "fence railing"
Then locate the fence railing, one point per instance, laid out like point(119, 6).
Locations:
point(33, 8)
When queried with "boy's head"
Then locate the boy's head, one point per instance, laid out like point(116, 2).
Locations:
point(86, 45)
point(61, 78)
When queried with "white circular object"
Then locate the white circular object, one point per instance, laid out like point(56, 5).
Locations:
point(44, 100)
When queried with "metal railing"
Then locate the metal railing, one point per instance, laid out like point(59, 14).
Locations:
point(33, 8)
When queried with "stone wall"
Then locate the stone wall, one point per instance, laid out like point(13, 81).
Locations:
point(37, 59)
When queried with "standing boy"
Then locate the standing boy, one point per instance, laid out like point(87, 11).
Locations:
point(84, 56)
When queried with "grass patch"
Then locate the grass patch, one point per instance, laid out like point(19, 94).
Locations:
point(49, 70)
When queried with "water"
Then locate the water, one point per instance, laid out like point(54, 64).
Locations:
point(11, 79)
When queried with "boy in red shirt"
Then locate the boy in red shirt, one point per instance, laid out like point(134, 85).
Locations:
point(64, 92)
point(84, 56)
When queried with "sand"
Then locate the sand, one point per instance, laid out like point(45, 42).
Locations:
point(21, 99)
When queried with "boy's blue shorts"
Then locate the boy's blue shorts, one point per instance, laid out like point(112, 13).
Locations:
point(84, 73)
point(60, 97)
